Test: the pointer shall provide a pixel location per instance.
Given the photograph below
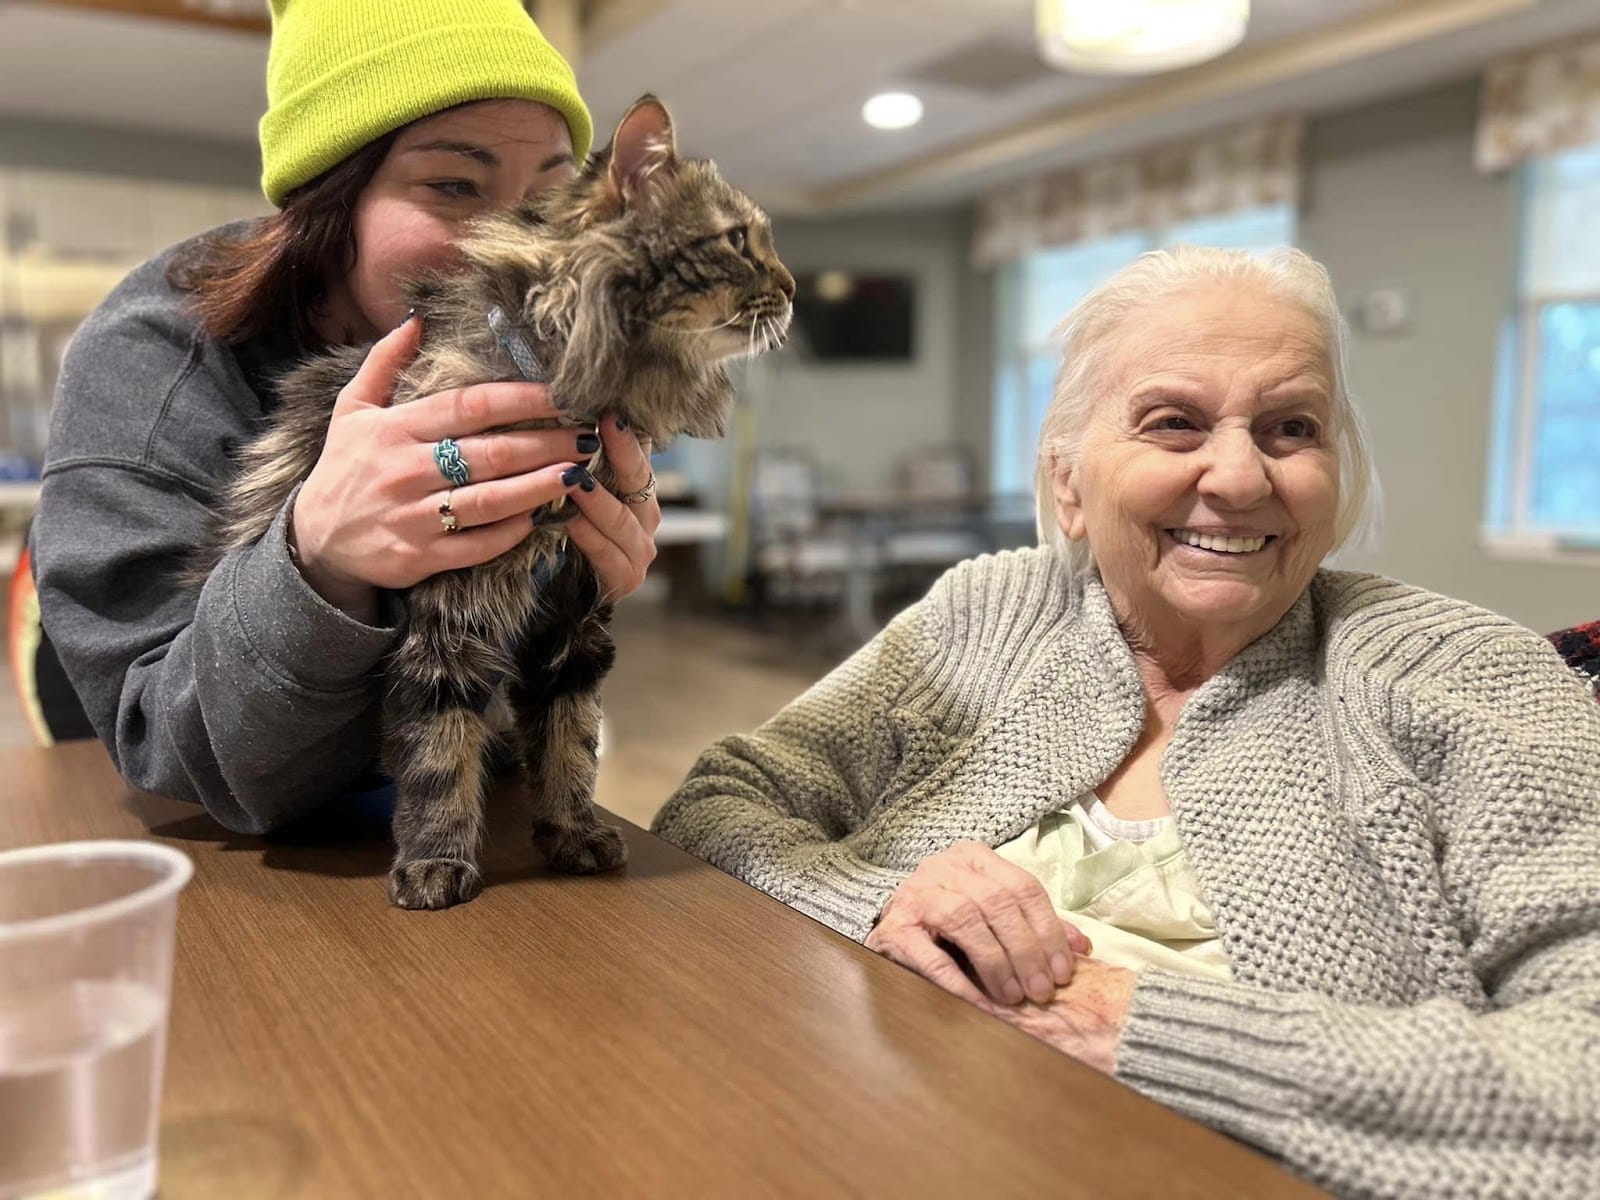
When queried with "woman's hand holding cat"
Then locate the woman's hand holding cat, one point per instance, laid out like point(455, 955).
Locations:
point(367, 517)
point(618, 539)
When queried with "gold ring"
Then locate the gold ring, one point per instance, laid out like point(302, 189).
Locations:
point(447, 515)
point(642, 494)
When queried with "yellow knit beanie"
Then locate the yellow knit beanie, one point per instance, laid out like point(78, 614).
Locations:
point(344, 72)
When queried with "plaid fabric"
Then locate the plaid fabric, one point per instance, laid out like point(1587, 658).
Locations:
point(1580, 646)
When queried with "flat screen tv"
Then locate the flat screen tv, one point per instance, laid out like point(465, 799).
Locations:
point(844, 317)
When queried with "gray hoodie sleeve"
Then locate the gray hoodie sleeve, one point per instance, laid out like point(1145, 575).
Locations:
point(252, 696)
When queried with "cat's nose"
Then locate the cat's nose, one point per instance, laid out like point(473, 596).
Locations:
point(786, 283)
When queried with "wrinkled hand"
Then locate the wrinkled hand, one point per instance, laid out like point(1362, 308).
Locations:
point(367, 516)
point(994, 913)
point(1085, 1019)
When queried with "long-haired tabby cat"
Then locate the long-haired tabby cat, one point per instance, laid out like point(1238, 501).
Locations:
point(630, 285)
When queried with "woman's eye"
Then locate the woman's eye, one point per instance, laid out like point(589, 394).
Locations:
point(1298, 428)
point(1172, 424)
point(736, 239)
point(456, 189)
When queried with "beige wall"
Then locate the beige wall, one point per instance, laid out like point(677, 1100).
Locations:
point(1394, 201)
point(73, 146)
point(857, 418)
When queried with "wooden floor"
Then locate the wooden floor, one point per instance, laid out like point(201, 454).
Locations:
point(680, 683)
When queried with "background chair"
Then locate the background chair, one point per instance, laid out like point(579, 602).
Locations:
point(797, 556)
point(938, 518)
point(1580, 646)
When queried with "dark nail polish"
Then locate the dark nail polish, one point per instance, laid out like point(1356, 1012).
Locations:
point(578, 477)
point(588, 443)
point(622, 421)
point(410, 312)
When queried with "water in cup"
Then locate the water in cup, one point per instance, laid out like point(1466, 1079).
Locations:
point(78, 1089)
point(86, 938)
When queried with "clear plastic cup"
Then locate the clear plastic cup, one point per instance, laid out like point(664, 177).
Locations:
point(86, 933)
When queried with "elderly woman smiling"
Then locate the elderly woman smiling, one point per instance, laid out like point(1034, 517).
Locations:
point(1309, 855)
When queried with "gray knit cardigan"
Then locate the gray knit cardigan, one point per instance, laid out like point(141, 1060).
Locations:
point(1391, 802)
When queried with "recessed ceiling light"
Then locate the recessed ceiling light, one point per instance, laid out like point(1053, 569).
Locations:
point(892, 110)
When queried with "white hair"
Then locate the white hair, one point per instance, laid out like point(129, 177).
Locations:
point(1089, 328)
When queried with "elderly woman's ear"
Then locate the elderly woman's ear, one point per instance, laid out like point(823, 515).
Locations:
point(1069, 507)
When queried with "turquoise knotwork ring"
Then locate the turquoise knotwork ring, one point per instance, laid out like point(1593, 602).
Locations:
point(451, 465)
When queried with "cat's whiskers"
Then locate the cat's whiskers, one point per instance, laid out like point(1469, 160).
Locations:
point(695, 330)
point(769, 332)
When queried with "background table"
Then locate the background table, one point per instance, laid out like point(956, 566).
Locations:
point(663, 1031)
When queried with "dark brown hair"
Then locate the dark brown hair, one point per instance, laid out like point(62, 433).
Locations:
point(264, 281)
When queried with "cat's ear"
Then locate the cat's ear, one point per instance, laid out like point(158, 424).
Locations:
point(644, 150)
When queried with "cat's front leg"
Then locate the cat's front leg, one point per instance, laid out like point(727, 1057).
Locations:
point(556, 698)
point(436, 730)
point(561, 739)
point(438, 763)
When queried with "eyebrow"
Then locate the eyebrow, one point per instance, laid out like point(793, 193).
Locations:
point(1292, 392)
point(487, 157)
point(1170, 390)
point(1309, 381)
point(476, 153)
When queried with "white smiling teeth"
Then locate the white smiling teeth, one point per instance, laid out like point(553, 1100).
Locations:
point(1222, 545)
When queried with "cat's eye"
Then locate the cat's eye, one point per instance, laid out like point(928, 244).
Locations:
point(736, 239)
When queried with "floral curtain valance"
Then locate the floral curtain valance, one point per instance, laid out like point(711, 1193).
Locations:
point(1246, 167)
point(1539, 103)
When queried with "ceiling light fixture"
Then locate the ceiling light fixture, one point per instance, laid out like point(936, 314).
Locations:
point(892, 110)
point(1126, 37)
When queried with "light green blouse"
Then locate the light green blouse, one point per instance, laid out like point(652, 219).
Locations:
point(1127, 885)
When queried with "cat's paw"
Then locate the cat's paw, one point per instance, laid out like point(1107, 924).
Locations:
point(582, 851)
point(433, 883)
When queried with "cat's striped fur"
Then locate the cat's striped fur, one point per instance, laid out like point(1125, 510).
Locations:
point(631, 284)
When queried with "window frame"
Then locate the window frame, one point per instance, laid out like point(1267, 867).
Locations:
point(1510, 529)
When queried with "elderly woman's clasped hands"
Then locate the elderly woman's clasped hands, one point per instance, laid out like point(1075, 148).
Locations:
point(1027, 965)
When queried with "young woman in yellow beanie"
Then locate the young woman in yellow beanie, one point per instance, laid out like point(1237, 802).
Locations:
point(388, 127)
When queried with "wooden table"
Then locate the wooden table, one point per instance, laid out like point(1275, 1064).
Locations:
point(661, 1032)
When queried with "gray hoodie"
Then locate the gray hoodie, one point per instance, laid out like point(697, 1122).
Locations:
point(253, 697)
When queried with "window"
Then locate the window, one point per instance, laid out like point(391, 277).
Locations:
point(1035, 292)
point(1545, 471)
